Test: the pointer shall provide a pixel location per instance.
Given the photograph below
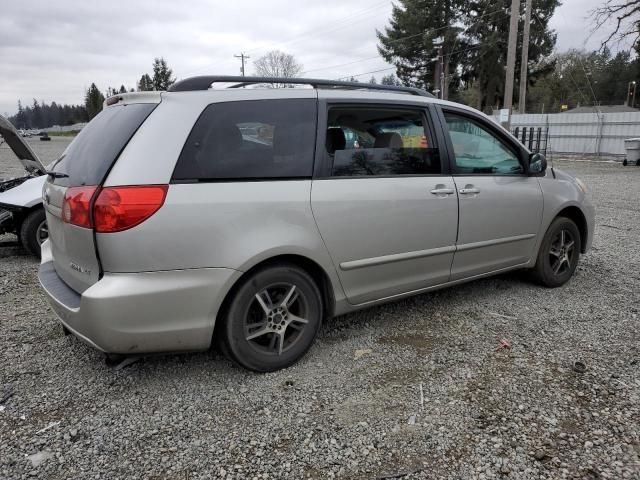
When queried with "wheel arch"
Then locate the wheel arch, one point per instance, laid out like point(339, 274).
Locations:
point(317, 273)
point(574, 213)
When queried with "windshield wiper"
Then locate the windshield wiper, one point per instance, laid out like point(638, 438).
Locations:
point(53, 174)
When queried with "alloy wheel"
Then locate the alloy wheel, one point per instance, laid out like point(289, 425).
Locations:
point(42, 233)
point(562, 252)
point(276, 318)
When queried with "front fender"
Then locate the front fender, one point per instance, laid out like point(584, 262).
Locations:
point(26, 195)
point(559, 194)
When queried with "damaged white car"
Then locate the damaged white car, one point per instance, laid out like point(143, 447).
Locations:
point(21, 209)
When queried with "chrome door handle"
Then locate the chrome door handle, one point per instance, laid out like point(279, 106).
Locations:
point(442, 191)
point(468, 191)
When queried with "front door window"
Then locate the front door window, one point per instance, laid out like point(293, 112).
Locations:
point(479, 151)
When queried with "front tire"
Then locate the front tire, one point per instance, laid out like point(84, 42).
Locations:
point(34, 231)
point(272, 319)
point(559, 253)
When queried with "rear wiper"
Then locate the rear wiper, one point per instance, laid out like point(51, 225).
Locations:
point(53, 174)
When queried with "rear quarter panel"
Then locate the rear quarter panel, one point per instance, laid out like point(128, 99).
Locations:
point(221, 225)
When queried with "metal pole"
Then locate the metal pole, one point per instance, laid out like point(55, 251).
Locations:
point(441, 58)
point(525, 59)
point(511, 57)
point(633, 98)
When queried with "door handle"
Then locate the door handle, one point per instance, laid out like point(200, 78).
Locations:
point(442, 191)
point(469, 190)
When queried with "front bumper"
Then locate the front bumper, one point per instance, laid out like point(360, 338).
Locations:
point(129, 313)
point(590, 216)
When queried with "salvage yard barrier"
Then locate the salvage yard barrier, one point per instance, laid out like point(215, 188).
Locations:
point(578, 133)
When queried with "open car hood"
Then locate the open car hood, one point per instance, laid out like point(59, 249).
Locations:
point(23, 151)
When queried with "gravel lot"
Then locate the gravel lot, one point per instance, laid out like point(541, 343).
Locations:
point(352, 408)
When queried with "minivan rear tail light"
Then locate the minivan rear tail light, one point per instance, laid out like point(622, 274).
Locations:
point(76, 206)
point(119, 208)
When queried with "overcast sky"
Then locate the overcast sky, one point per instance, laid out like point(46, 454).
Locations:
point(53, 50)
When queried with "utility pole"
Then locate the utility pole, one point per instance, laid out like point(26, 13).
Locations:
point(522, 102)
point(631, 94)
point(443, 93)
point(242, 58)
point(511, 58)
point(439, 74)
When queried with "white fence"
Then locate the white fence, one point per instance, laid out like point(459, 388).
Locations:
point(583, 133)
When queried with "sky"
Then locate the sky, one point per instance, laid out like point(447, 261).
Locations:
point(53, 51)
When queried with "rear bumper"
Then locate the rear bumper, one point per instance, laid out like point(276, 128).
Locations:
point(145, 312)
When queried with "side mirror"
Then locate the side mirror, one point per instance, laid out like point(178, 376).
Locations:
point(537, 163)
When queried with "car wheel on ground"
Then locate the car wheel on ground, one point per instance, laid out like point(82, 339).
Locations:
point(559, 253)
point(34, 231)
point(272, 319)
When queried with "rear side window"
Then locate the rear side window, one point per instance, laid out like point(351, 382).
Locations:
point(256, 139)
point(372, 141)
point(90, 156)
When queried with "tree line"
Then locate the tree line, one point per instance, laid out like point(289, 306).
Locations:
point(464, 42)
point(42, 115)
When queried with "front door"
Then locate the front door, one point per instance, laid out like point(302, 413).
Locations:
point(384, 208)
point(500, 205)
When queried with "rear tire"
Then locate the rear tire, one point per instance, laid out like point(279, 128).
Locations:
point(559, 253)
point(273, 319)
point(625, 162)
point(33, 231)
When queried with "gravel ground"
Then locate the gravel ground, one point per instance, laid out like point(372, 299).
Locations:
point(413, 389)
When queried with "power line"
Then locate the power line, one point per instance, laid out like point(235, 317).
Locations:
point(573, 80)
point(345, 22)
point(367, 73)
point(342, 64)
point(433, 30)
point(586, 75)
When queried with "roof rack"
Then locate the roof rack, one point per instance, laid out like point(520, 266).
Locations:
point(204, 83)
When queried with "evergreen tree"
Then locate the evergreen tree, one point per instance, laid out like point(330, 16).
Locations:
point(473, 57)
point(487, 31)
point(122, 89)
point(20, 119)
point(93, 101)
point(390, 80)
point(162, 75)
point(145, 84)
point(418, 28)
point(36, 116)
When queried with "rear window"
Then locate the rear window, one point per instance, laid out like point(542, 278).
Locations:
point(250, 140)
point(90, 156)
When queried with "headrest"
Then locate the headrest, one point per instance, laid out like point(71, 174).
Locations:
point(388, 140)
point(335, 140)
point(289, 139)
point(227, 138)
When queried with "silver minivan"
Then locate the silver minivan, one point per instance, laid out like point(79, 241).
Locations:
point(250, 215)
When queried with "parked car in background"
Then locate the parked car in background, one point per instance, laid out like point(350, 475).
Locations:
point(250, 215)
point(21, 210)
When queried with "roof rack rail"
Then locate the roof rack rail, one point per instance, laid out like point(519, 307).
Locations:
point(204, 82)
